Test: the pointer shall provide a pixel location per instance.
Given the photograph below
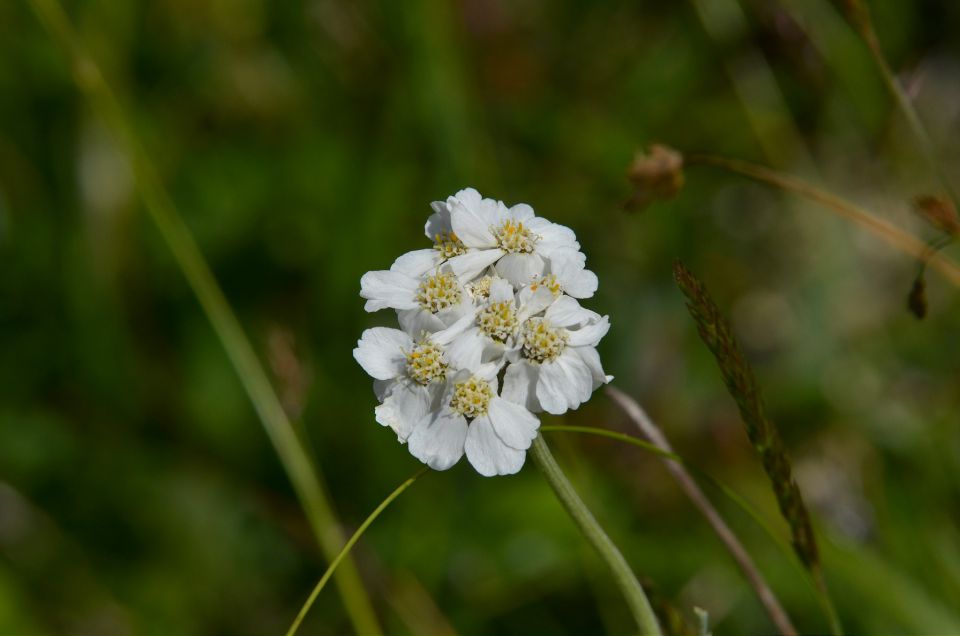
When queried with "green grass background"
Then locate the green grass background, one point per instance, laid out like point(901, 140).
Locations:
point(302, 143)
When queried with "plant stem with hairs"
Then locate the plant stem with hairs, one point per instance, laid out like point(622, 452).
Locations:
point(653, 433)
point(625, 578)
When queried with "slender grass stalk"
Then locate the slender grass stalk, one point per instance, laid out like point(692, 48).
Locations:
point(349, 546)
point(725, 490)
point(730, 541)
point(858, 12)
point(620, 437)
point(627, 581)
point(304, 476)
point(893, 235)
point(763, 434)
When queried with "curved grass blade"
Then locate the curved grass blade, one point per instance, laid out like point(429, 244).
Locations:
point(347, 547)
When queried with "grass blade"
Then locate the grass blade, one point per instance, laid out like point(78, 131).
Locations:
point(764, 436)
point(349, 546)
point(304, 476)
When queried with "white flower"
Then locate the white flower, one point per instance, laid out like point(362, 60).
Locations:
point(473, 420)
point(492, 330)
point(558, 366)
point(517, 242)
point(411, 374)
point(496, 293)
point(424, 302)
point(438, 229)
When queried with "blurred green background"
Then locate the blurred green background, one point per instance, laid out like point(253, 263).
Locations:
point(302, 142)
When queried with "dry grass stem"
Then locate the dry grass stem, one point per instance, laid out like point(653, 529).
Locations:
point(652, 432)
point(893, 235)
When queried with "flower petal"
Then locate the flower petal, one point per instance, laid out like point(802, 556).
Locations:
point(449, 334)
point(406, 405)
point(466, 350)
point(520, 385)
point(439, 221)
point(521, 212)
point(500, 290)
point(589, 335)
point(437, 439)
point(568, 266)
point(564, 383)
point(552, 236)
point(567, 312)
point(468, 266)
point(468, 197)
point(382, 352)
point(383, 388)
point(591, 358)
point(519, 269)
point(418, 321)
point(488, 454)
point(583, 284)
point(472, 224)
point(416, 263)
point(513, 424)
point(384, 289)
point(533, 302)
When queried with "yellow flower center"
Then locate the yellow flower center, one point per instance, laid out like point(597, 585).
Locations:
point(425, 363)
point(438, 292)
point(541, 342)
point(480, 288)
point(550, 282)
point(448, 244)
point(513, 237)
point(471, 398)
point(498, 320)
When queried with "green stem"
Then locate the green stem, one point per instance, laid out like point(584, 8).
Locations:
point(624, 576)
point(814, 579)
point(346, 549)
point(304, 476)
point(620, 437)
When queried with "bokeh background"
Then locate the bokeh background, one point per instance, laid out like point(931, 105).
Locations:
point(302, 142)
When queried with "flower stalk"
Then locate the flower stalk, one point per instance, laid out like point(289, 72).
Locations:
point(625, 578)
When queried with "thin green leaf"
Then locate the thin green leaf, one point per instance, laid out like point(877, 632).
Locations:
point(346, 550)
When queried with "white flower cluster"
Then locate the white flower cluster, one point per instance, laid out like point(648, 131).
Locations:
point(491, 333)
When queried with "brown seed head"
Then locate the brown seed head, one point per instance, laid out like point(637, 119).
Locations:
point(656, 174)
point(938, 212)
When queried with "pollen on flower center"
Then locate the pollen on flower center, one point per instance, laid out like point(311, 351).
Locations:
point(438, 292)
point(498, 320)
point(513, 237)
point(541, 342)
point(471, 398)
point(425, 363)
point(448, 244)
point(480, 289)
point(550, 282)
